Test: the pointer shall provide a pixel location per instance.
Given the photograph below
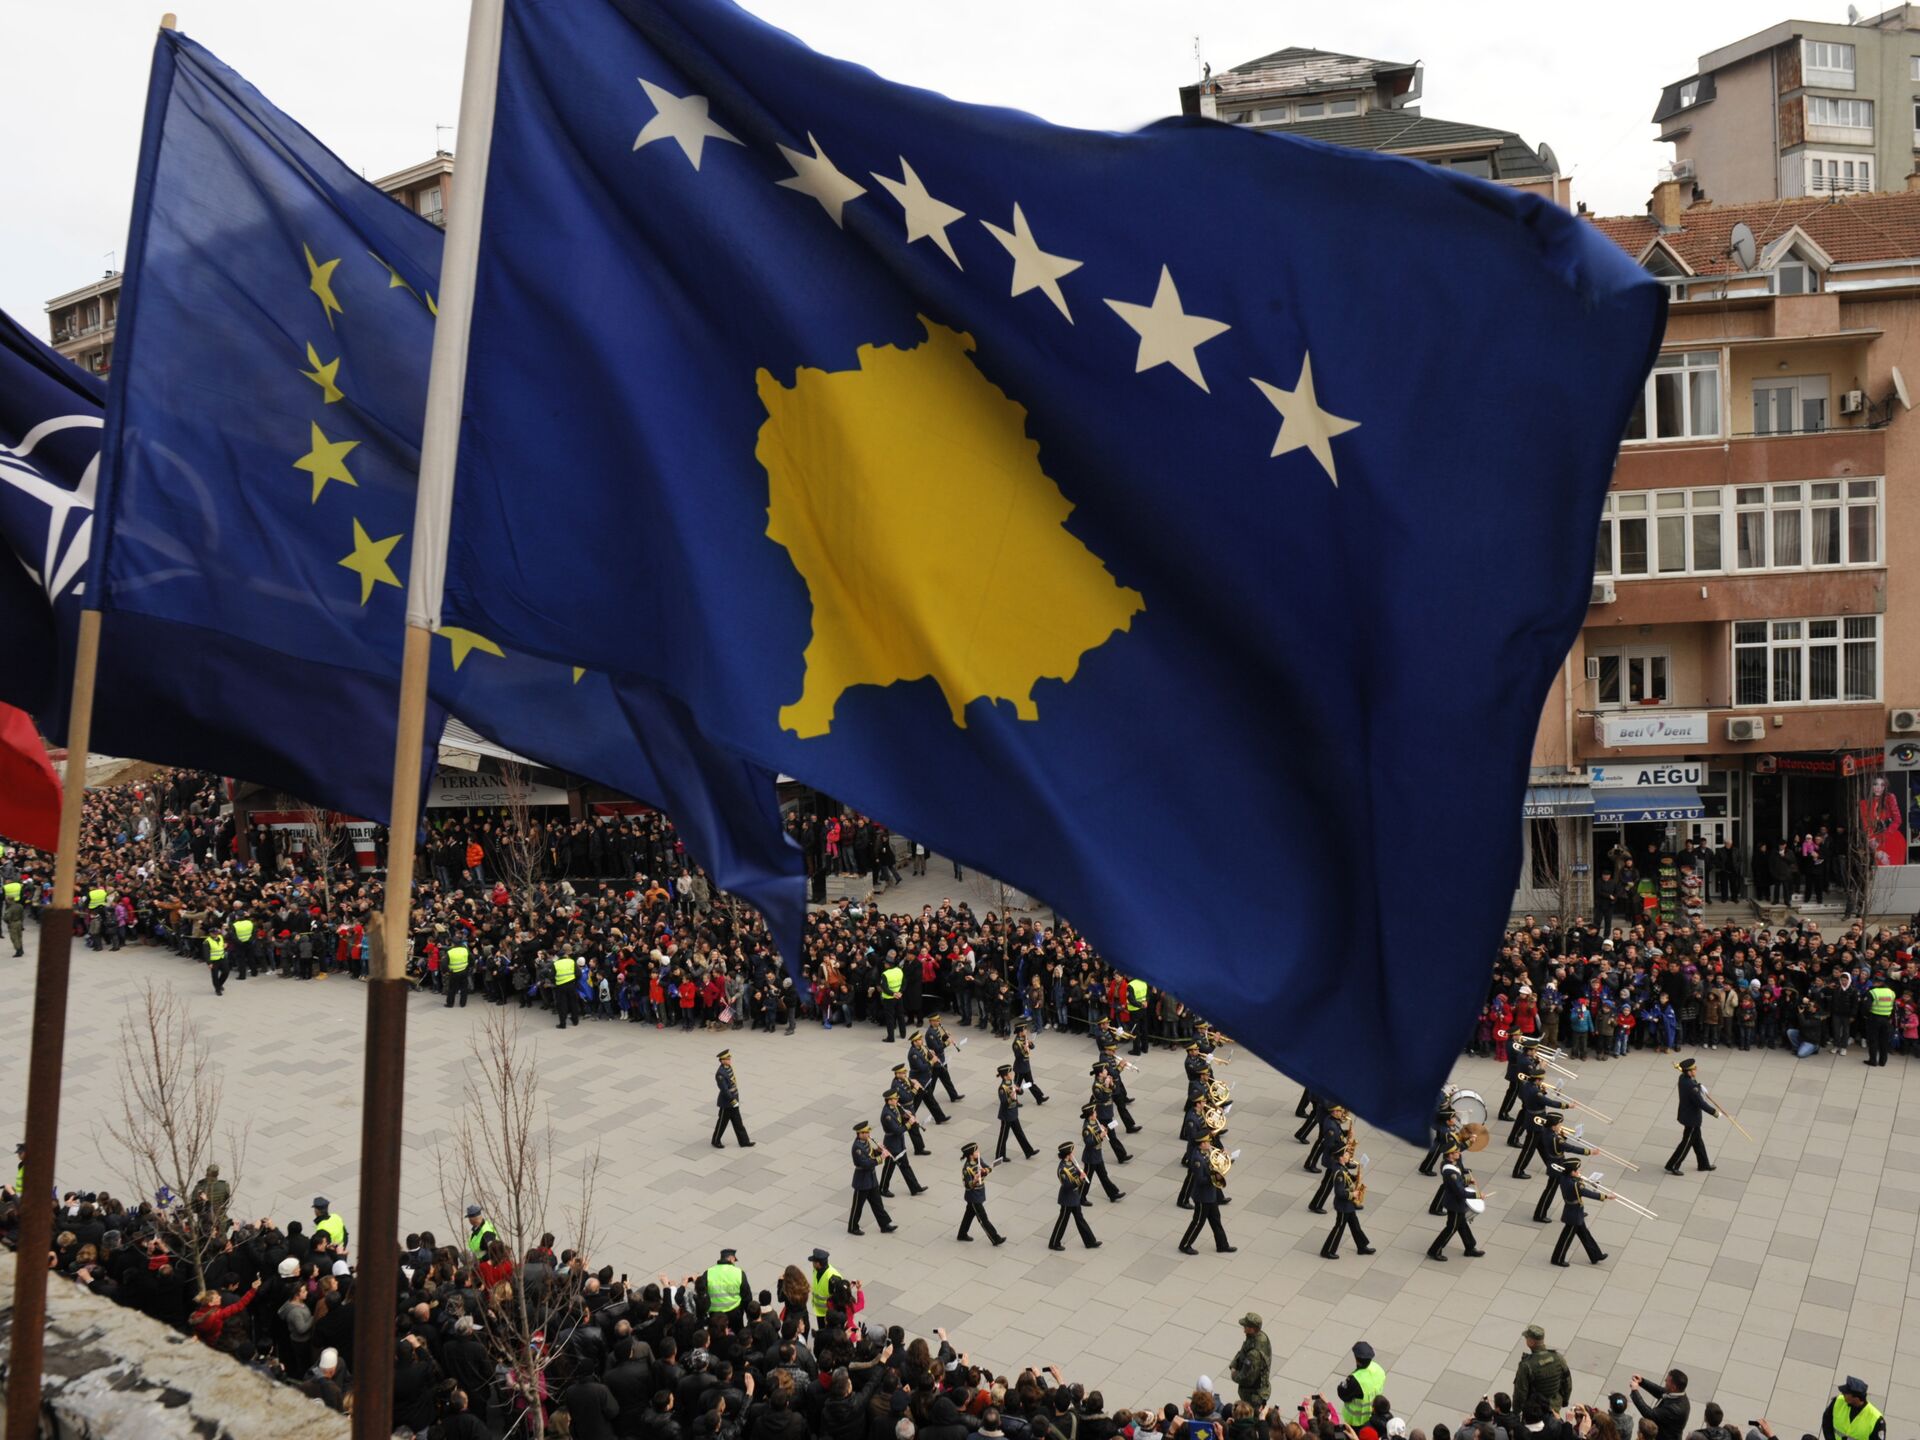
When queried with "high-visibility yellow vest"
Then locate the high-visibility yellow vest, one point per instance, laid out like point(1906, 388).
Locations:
point(1136, 994)
point(821, 1282)
point(724, 1282)
point(1372, 1380)
point(1882, 1001)
point(477, 1239)
point(1854, 1427)
point(564, 970)
point(457, 959)
point(333, 1227)
point(891, 979)
point(13, 890)
point(96, 898)
point(243, 930)
point(216, 949)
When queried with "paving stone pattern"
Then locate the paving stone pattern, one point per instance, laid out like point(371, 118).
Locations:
point(1791, 1267)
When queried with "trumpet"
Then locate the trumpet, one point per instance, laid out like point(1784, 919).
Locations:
point(1633, 1205)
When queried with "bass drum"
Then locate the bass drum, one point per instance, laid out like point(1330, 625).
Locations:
point(1469, 1108)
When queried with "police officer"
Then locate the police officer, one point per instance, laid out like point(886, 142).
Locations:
point(1347, 1205)
point(1104, 1102)
point(1116, 1070)
point(13, 911)
point(973, 1184)
point(1093, 1136)
point(245, 961)
point(1541, 1375)
point(479, 1231)
point(920, 1067)
point(724, 1287)
point(866, 1186)
point(1010, 1117)
point(1072, 1200)
point(566, 999)
point(938, 1044)
point(1573, 1214)
point(1137, 1015)
point(217, 961)
point(459, 959)
point(1207, 1197)
point(326, 1223)
point(1357, 1392)
point(1850, 1417)
point(1459, 1201)
point(1694, 1107)
point(908, 1094)
point(1879, 1018)
point(726, 1086)
point(1555, 1146)
point(896, 1121)
point(892, 982)
point(1023, 1061)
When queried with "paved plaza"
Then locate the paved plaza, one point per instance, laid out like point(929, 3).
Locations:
point(1791, 1267)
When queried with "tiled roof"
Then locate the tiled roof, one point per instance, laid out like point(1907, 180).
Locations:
point(1298, 70)
point(1848, 227)
point(1396, 131)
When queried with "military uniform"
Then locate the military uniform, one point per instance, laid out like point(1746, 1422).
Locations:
point(1251, 1369)
point(1208, 1195)
point(1694, 1107)
point(1010, 1116)
point(1326, 1146)
point(973, 1184)
point(1555, 1147)
point(903, 1090)
point(866, 1185)
point(1534, 1100)
point(1023, 1062)
point(1443, 1123)
point(1574, 1192)
point(1459, 1192)
point(1199, 1071)
point(727, 1100)
point(896, 1123)
point(1310, 1106)
point(1194, 1130)
point(1346, 1210)
point(920, 1067)
point(938, 1043)
point(1072, 1200)
point(1542, 1374)
point(1520, 1062)
point(1093, 1136)
point(1116, 1071)
point(1104, 1103)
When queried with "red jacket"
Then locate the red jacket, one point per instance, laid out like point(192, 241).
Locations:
point(209, 1323)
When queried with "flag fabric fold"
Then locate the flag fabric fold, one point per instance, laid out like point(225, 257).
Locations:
point(1185, 525)
point(29, 788)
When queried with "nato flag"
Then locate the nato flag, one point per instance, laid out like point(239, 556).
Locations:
point(1185, 525)
point(262, 445)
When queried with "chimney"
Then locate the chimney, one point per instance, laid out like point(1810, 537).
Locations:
point(1665, 205)
point(1913, 181)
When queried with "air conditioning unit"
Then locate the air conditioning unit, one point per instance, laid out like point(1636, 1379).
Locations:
point(1903, 722)
point(1602, 593)
point(1682, 169)
point(1747, 727)
point(1852, 402)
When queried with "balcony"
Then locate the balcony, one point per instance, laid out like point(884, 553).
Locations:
point(1856, 725)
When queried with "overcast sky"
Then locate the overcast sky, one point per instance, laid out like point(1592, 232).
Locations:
point(373, 78)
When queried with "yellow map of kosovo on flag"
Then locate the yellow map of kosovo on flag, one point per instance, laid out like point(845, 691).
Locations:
point(912, 502)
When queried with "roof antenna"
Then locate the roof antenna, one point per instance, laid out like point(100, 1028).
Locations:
point(438, 131)
point(1206, 70)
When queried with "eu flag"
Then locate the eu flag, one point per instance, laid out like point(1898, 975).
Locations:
point(1185, 525)
point(262, 442)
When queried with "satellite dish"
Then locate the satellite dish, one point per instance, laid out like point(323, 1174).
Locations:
point(1743, 248)
point(1853, 14)
point(1549, 159)
point(1900, 389)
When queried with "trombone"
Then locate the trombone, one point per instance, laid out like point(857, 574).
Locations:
point(1555, 1098)
point(1605, 1154)
point(1726, 1114)
point(1633, 1205)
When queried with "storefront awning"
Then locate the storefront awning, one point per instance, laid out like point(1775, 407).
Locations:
point(1552, 802)
point(1674, 802)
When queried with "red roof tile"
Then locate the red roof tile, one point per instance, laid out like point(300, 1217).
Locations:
point(1848, 227)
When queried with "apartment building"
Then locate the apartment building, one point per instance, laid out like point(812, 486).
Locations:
point(1366, 105)
point(1750, 666)
point(1802, 107)
point(81, 322)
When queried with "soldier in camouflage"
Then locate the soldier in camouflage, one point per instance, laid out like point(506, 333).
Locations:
point(1252, 1368)
point(1542, 1374)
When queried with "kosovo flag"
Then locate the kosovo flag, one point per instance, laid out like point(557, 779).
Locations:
point(1183, 525)
point(262, 441)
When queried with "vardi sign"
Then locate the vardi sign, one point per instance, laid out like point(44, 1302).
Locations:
point(1657, 775)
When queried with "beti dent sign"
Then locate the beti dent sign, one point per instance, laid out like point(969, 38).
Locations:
point(1676, 728)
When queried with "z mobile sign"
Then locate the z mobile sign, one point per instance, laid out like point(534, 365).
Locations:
point(1663, 775)
point(1687, 727)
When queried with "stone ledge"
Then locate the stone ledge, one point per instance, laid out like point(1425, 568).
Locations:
point(112, 1372)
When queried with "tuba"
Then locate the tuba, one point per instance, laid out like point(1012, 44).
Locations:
point(1218, 1164)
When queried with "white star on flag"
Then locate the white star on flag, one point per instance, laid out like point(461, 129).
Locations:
point(1034, 268)
point(681, 118)
point(1304, 425)
point(1168, 335)
point(927, 218)
point(815, 175)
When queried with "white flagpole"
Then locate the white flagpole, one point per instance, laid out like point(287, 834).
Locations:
point(383, 1087)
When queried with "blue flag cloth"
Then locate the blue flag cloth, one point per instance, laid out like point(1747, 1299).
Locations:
point(1184, 525)
point(261, 449)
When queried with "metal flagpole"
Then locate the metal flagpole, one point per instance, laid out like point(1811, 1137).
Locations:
point(53, 968)
point(384, 1085)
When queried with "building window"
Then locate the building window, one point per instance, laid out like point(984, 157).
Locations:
point(1827, 63)
point(1632, 675)
point(1311, 109)
point(1273, 114)
point(1790, 406)
point(1689, 93)
point(1795, 277)
point(1806, 525)
point(1478, 165)
point(1840, 114)
point(1681, 400)
point(1828, 173)
point(1803, 662)
point(1913, 67)
point(1343, 107)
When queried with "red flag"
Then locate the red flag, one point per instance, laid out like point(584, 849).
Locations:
point(29, 790)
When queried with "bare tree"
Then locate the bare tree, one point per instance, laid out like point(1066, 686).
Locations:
point(325, 829)
point(169, 1131)
point(500, 1156)
point(519, 842)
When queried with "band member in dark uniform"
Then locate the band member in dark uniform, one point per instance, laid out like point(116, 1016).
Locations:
point(1010, 1117)
point(938, 1044)
point(1443, 1124)
point(1103, 1102)
point(1208, 1171)
point(920, 1067)
point(1534, 1100)
point(1073, 1199)
point(1194, 1129)
point(1694, 1107)
point(973, 1184)
point(1462, 1199)
point(1199, 1069)
point(907, 1093)
point(1520, 1061)
point(1116, 1067)
point(866, 1185)
point(1573, 1214)
point(1310, 1106)
point(1334, 1123)
point(727, 1084)
point(1349, 1199)
point(896, 1122)
point(1555, 1146)
point(1348, 1146)
point(1093, 1137)
point(1023, 1061)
